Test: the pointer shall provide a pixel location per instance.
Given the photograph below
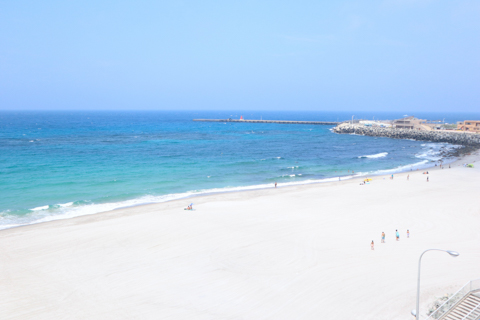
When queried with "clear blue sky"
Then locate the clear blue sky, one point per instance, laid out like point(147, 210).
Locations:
point(240, 55)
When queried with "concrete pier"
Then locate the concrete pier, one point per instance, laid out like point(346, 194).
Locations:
point(270, 121)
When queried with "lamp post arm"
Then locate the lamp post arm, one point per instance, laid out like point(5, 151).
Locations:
point(417, 308)
point(417, 312)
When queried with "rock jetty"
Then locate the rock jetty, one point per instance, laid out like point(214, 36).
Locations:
point(454, 137)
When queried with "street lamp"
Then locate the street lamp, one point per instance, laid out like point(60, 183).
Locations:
point(416, 312)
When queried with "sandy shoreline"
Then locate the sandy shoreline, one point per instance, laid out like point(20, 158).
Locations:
point(447, 157)
point(298, 252)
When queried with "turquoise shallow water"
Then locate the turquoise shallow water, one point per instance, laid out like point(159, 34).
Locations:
point(63, 164)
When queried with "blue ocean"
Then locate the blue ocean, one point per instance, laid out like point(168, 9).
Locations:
point(56, 165)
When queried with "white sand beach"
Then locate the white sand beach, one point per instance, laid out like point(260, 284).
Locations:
point(300, 252)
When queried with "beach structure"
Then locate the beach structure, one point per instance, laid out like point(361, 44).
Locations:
point(469, 125)
point(411, 123)
point(464, 304)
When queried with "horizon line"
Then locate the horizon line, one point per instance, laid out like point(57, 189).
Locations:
point(228, 110)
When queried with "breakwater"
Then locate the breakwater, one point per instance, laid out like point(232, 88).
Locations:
point(454, 137)
point(270, 121)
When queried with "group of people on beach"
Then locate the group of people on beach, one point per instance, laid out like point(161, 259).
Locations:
point(441, 165)
point(397, 238)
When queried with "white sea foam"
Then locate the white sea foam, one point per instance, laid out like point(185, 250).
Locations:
point(374, 156)
point(68, 204)
point(429, 154)
point(40, 208)
point(431, 151)
point(412, 166)
point(64, 211)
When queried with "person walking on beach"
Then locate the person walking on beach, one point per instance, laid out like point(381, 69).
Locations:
point(383, 237)
point(397, 235)
point(275, 184)
point(408, 177)
point(408, 233)
point(427, 179)
point(372, 245)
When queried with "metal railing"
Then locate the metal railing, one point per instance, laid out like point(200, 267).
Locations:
point(472, 312)
point(472, 285)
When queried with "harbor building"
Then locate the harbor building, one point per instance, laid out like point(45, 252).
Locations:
point(469, 125)
point(411, 123)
